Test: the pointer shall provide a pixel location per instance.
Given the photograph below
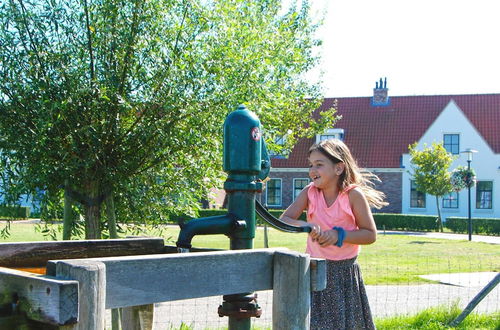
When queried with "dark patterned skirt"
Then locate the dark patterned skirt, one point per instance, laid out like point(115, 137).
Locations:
point(343, 304)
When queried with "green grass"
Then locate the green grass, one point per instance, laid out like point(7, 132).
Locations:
point(439, 318)
point(393, 259)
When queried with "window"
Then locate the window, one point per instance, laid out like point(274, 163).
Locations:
point(273, 189)
point(298, 185)
point(451, 143)
point(450, 201)
point(331, 133)
point(327, 136)
point(484, 194)
point(417, 198)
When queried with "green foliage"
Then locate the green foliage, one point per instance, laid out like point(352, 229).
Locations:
point(430, 169)
point(430, 172)
point(488, 226)
point(16, 212)
point(393, 221)
point(128, 98)
point(462, 177)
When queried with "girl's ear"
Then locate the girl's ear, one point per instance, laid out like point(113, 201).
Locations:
point(339, 168)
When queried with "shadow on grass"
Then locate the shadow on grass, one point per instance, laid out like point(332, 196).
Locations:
point(423, 242)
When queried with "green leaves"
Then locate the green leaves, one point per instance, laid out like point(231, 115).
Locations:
point(430, 169)
point(130, 96)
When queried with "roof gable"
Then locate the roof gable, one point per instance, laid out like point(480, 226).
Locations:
point(378, 136)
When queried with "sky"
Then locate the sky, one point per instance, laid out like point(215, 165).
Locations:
point(424, 47)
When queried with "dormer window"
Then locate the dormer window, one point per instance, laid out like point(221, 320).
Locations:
point(331, 133)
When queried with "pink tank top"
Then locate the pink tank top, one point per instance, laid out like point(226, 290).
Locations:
point(339, 214)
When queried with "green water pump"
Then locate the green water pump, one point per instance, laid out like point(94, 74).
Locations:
point(247, 164)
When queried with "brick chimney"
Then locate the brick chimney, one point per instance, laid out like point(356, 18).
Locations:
point(380, 94)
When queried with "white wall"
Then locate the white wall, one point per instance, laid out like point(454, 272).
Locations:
point(485, 163)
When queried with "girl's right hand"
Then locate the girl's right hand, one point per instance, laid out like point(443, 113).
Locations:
point(315, 231)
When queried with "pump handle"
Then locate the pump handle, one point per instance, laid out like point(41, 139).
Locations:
point(277, 223)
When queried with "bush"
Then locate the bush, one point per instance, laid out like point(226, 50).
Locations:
point(393, 221)
point(489, 226)
point(16, 212)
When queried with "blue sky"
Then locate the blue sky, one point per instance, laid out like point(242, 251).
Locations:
point(424, 47)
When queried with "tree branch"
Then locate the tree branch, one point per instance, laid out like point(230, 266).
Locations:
point(130, 46)
point(89, 43)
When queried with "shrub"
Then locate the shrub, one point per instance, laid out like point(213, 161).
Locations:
point(393, 221)
point(16, 212)
point(489, 226)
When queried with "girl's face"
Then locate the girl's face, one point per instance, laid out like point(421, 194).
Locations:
point(322, 171)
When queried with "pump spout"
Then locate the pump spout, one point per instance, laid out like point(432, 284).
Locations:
point(222, 224)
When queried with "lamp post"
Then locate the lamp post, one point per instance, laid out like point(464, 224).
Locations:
point(469, 153)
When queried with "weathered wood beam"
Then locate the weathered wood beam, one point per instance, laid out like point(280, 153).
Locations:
point(91, 277)
point(291, 291)
point(141, 280)
point(36, 254)
point(41, 298)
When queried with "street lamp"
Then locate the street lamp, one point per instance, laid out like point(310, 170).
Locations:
point(469, 153)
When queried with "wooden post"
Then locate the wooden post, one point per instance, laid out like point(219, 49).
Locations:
point(138, 317)
point(318, 274)
point(91, 276)
point(291, 291)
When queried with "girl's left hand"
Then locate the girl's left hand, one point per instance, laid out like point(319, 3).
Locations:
point(328, 237)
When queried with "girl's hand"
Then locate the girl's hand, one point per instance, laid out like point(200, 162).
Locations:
point(315, 231)
point(328, 237)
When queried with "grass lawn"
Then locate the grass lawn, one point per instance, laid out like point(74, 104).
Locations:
point(438, 318)
point(393, 259)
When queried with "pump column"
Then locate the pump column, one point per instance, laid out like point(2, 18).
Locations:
point(242, 162)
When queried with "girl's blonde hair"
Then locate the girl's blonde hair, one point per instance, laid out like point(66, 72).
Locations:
point(337, 151)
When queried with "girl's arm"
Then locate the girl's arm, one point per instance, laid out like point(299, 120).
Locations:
point(295, 210)
point(367, 232)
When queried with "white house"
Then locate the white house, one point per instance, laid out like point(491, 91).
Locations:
point(453, 128)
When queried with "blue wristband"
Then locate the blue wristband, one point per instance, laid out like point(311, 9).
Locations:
point(341, 236)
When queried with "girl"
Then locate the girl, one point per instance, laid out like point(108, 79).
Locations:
point(338, 210)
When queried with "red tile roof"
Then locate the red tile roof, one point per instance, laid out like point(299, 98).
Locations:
point(379, 135)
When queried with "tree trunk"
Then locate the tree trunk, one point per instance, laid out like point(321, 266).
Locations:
point(68, 215)
point(440, 222)
point(110, 214)
point(93, 212)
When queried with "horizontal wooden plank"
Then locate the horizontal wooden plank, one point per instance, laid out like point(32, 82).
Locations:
point(36, 254)
point(141, 280)
point(42, 298)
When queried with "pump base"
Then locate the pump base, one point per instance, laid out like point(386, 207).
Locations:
point(240, 307)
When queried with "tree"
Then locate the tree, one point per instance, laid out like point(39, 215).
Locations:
point(124, 101)
point(430, 172)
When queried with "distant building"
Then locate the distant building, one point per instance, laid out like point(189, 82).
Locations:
point(379, 129)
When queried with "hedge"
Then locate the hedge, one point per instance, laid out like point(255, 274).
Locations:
point(489, 226)
point(16, 212)
point(415, 222)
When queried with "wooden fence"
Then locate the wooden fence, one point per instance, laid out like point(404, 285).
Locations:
point(75, 292)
